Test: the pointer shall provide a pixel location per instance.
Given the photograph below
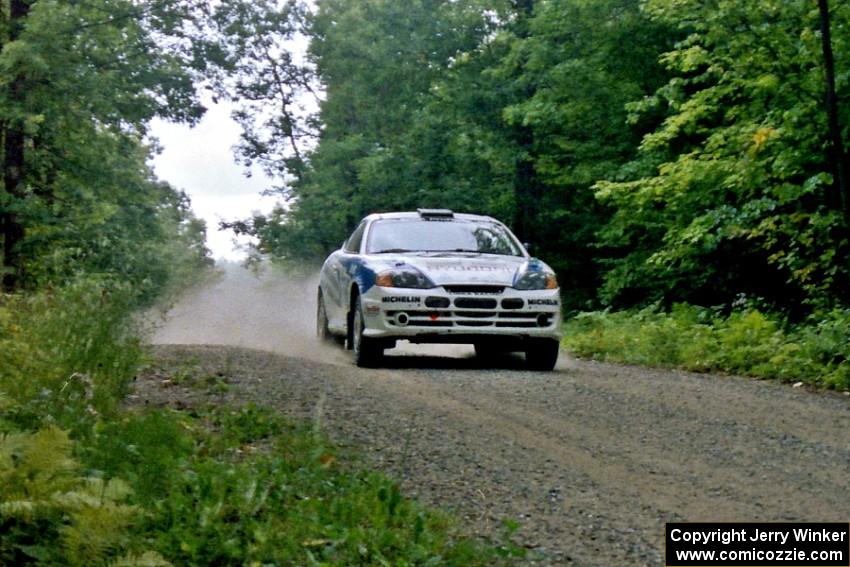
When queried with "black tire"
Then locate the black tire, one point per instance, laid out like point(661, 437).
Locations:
point(542, 354)
point(322, 331)
point(367, 352)
point(487, 351)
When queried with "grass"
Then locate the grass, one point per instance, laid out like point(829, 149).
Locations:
point(241, 485)
point(746, 342)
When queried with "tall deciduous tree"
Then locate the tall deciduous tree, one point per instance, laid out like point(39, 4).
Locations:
point(687, 150)
point(78, 83)
point(575, 66)
point(377, 61)
point(739, 198)
point(838, 156)
point(13, 153)
point(510, 108)
point(271, 83)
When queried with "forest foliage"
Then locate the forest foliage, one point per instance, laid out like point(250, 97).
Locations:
point(89, 236)
point(686, 159)
point(652, 150)
point(79, 83)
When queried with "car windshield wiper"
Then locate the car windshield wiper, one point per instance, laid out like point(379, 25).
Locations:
point(392, 251)
point(455, 250)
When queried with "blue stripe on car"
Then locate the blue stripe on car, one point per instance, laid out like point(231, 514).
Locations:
point(359, 273)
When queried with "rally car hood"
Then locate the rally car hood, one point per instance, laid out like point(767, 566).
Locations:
point(461, 268)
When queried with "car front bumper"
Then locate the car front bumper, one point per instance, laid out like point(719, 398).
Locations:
point(455, 313)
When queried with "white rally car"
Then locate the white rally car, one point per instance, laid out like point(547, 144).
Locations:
point(434, 276)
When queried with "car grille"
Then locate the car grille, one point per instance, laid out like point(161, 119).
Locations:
point(437, 302)
point(475, 303)
point(472, 312)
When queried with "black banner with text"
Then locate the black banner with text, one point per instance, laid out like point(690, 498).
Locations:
point(757, 544)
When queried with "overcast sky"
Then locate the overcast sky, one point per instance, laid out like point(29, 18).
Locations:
point(200, 161)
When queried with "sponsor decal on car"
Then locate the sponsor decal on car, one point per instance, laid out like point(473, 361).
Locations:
point(543, 302)
point(468, 267)
point(401, 299)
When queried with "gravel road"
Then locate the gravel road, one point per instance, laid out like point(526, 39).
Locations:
point(591, 459)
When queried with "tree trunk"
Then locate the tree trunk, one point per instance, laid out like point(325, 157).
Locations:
point(13, 164)
point(526, 185)
point(526, 188)
point(836, 155)
point(13, 230)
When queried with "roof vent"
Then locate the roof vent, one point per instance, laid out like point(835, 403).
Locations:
point(435, 213)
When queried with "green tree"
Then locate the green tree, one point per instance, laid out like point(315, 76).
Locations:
point(376, 61)
point(78, 83)
point(573, 67)
point(733, 193)
point(269, 82)
point(513, 109)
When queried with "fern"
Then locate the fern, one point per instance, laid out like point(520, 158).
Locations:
point(44, 498)
point(99, 522)
point(147, 559)
point(34, 467)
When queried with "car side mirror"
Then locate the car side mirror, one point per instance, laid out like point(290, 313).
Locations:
point(528, 247)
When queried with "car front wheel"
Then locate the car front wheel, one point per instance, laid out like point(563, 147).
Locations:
point(542, 354)
point(322, 332)
point(367, 351)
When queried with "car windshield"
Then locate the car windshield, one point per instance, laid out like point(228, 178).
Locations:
point(416, 235)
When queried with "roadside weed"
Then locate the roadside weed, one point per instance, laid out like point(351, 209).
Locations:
point(258, 489)
point(66, 356)
point(746, 342)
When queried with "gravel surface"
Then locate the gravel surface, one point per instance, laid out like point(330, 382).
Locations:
point(591, 459)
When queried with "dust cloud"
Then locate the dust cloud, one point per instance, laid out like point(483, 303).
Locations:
point(271, 311)
point(267, 311)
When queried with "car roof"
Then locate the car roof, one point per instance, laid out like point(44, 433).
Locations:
point(416, 215)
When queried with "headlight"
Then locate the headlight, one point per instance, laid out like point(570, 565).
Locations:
point(536, 280)
point(406, 277)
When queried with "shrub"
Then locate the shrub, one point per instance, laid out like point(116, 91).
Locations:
point(49, 511)
point(66, 355)
point(745, 342)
